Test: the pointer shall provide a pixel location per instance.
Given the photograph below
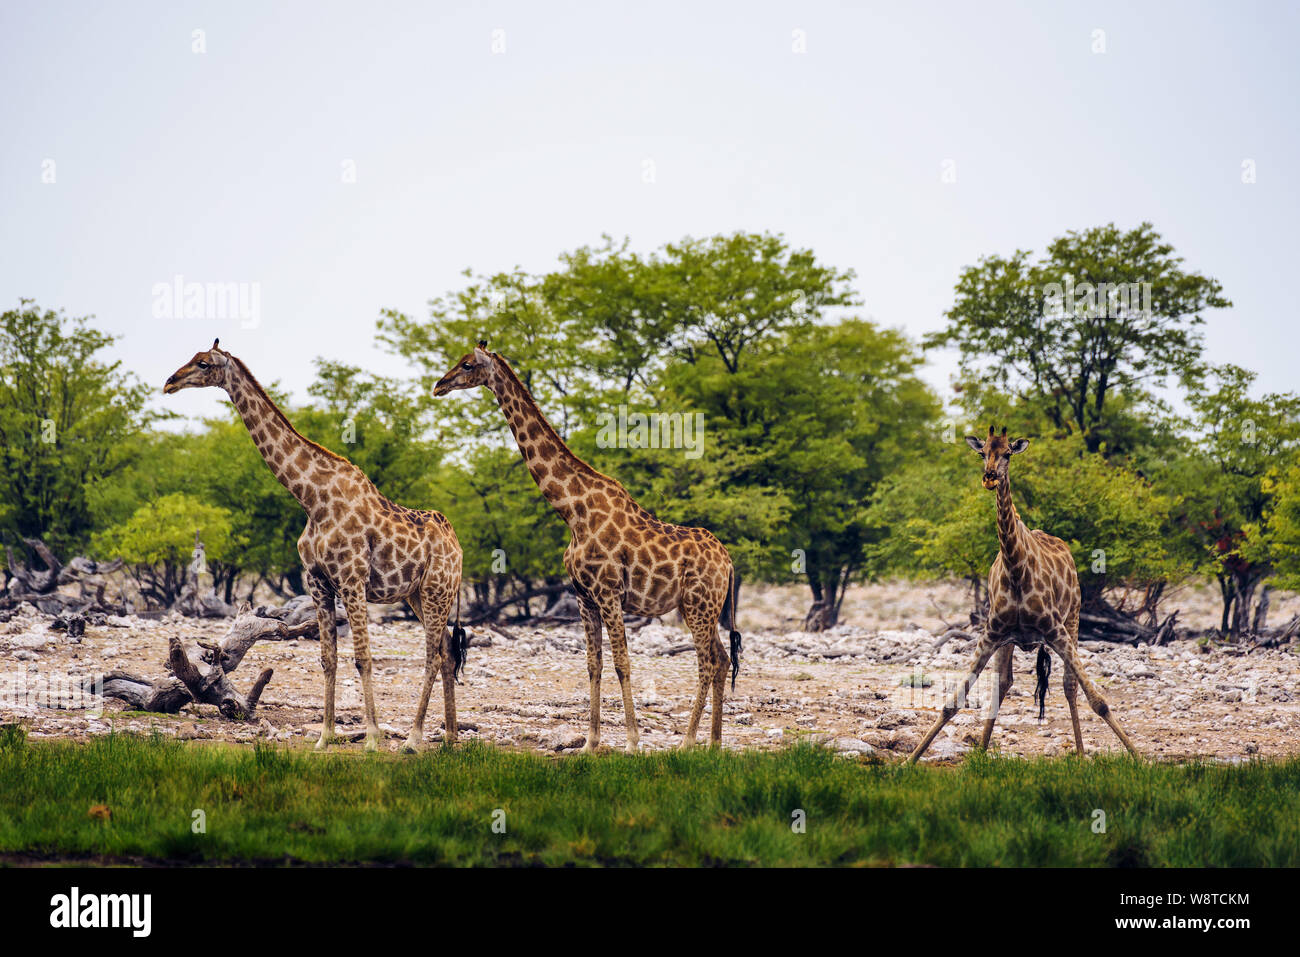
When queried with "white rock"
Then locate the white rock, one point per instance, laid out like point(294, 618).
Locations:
point(851, 746)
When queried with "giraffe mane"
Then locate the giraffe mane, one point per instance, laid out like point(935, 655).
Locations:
point(631, 503)
point(528, 399)
point(284, 419)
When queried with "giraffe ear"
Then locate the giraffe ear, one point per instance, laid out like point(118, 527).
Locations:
point(1019, 445)
point(975, 443)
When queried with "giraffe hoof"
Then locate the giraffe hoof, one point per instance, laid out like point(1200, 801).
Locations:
point(686, 745)
point(412, 746)
point(324, 742)
point(633, 747)
point(590, 747)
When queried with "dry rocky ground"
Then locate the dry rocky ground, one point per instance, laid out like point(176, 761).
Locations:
point(851, 688)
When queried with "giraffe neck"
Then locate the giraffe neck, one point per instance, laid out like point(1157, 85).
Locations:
point(1011, 531)
point(550, 461)
point(297, 463)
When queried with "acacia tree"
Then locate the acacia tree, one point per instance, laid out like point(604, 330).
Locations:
point(1104, 314)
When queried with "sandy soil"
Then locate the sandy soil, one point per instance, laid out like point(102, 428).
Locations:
point(851, 688)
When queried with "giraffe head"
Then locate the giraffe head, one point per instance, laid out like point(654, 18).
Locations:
point(472, 369)
point(996, 451)
point(209, 368)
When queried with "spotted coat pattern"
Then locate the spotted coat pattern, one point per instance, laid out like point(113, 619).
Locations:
point(620, 557)
point(358, 546)
point(1033, 602)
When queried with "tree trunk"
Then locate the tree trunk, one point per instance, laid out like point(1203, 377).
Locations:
point(828, 596)
point(1260, 622)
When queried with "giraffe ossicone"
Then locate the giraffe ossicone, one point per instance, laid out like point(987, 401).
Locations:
point(357, 546)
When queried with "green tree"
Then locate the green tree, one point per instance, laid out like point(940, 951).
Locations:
point(67, 417)
point(1236, 441)
point(157, 542)
point(1104, 314)
point(1276, 539)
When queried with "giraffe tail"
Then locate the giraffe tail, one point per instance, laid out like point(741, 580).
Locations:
point(729, 607)
point(459, 643)
point(1044, 671)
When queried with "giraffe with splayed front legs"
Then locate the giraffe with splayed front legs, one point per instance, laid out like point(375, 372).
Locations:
point(357, 546)
point(620, 557)
point(1033, 604)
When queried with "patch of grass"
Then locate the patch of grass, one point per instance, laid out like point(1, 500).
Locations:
point(275, 804)
point(12, 737)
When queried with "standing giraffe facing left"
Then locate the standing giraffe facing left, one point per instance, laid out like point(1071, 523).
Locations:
point(1033, 604)
point(620, 557)
point(357, 546)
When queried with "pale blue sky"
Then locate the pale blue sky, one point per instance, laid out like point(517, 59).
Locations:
point(226, 166)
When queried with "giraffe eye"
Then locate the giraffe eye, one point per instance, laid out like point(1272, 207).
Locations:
point(468, 365)
point(203, 365)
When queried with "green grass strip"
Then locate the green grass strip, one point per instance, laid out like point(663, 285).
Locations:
point(279, 805)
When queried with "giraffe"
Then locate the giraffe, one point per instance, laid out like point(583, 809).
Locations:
point(619, 557)
point(1033, 603)
point(357, 546)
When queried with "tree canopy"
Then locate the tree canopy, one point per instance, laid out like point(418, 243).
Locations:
point(1105, 312)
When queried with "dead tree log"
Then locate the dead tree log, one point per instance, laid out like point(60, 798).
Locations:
point(481, 613)
point(39, 586)
point(1102, 622)
point(211, 686)
point(248, 629)
point(199, 671)
point(947, 635)
point(1278, 636)
point(162, 696)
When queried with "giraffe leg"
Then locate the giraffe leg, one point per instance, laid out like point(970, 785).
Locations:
point(450, 723)
point(983, 652)
point(611, 617)
point(591, 628)
point(713, 664)
point(323, 594)
point(704, 654)
point(1060, 643)
point(1071, 694)
point(354, 599)
point(433, 609)
point(1002, 670)
point(1072, 680)
point(722, 664)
